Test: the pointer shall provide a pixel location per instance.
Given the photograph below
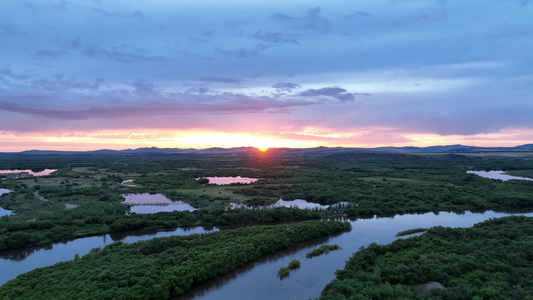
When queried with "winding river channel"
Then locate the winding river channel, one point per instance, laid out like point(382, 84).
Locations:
point(257, 280)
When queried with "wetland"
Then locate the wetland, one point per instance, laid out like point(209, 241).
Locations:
point(96, 202)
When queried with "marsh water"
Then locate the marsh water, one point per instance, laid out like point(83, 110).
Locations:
point(4, 212)
point(257, 280)
point(18, 261)
point(230, 180)
point(498, 175)
point(296, 203)
point(44, 172)
point(152, 203)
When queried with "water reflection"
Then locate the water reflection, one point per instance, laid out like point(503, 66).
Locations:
point(18, 261)
point(256, 280)
point(497, 175)
point(128, 182)
point(296, 203)
point(44, 172)
point(4, 212)
point(153, 203)
point(230, 180)
point(259, 280)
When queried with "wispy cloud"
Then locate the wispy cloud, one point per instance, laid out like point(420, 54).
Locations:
point(286, 87)
point(122, 53)
point(10, 30)
point(118, 14)
point(356, 15)
point(311, 20)
point(276, 37)
point(330, 93)
point(181, 104)
point(221, 79)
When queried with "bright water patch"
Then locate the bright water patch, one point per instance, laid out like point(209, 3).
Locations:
point(296, 203)
point(128, 182)
point(4, 212)
point(153, 203)
point(259, 280)
point(304, 283)
point(18, 261)
point(497, 175)
point(44, 172)
point(230, 180)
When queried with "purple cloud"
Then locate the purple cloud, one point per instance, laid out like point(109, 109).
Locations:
point(286, 87)
point(327, 93)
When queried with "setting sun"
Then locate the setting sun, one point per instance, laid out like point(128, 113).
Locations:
point(262, 149)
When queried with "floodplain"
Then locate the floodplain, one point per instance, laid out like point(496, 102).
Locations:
point(86, 196)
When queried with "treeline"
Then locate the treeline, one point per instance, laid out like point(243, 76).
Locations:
point(99, 218)
point(161, 267)
point(492, 260)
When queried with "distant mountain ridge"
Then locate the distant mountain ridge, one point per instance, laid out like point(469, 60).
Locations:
point(240, 151)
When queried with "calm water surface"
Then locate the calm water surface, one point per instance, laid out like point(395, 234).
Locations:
point(497, 175)
point(152, 203)
point(258, 280)
point(4, 212)
point(15, 262)
point(42, 173)
point(297, 203)
point(230, 180)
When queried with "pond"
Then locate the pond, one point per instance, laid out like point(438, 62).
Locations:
point(296, 203)
point(4, 212)
point(44, 172)
point(230, 180)
point(153, 203)
point(18, 261)
point(497, 175)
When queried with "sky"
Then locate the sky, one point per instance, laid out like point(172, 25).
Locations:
point(98, 74)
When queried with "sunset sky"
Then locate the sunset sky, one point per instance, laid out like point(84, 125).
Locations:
point(87, 75)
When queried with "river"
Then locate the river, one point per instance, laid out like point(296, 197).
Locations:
point(257, 280)
point(18, 261)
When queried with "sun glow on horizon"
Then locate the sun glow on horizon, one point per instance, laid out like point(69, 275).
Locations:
point(197, 139)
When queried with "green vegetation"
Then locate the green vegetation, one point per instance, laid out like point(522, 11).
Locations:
point(369, 184)
point(161, 267)
point(411, 231)
point(492, 260)
point(283, 272)
point(294, 264)
point(324, 249)
point(103, 218)
point(84, 197)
